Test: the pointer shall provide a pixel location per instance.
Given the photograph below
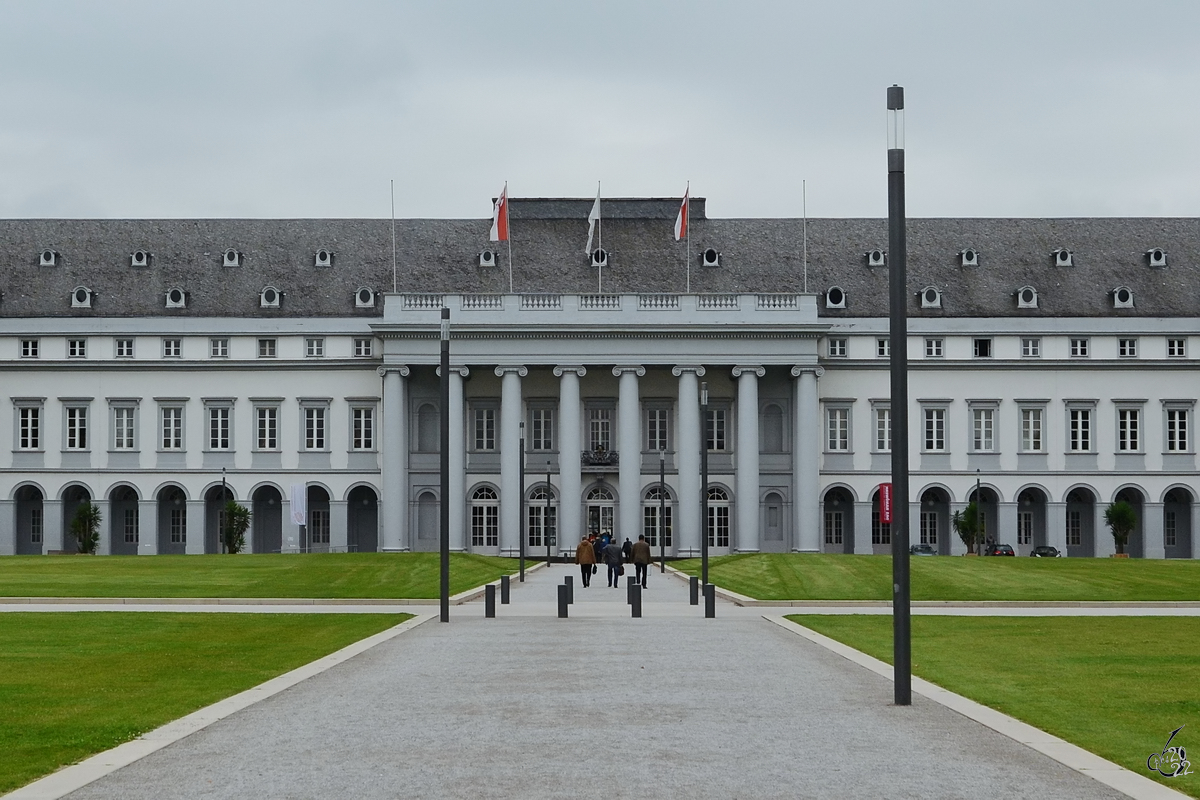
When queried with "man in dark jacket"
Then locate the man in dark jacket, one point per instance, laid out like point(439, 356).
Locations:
point(613, 558)
point(627, 549)
point(641, 559)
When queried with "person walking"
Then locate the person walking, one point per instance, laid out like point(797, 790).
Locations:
point(585, 557)
point(640, 555)
point(627, 549)
point(613, 557)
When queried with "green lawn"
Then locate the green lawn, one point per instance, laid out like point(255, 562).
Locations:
point(320, 575)
point(75, 684)
point(817, 576)
point(1116, 686)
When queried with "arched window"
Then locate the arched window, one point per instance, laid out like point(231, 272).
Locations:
point(772, 429)
point(485, 518)
point(718, 517)
point(428, 429)
point(656, 516)
point(543, 518)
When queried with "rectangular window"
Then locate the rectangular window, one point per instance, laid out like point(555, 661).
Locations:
point(35, 525)
point(881, 532)
point(218, 348)
point(485, 428)
point(218, 428)
point(933, 348)
point(314, 348)
point(929, 527)
point(983, 428)
point(982, 348)
point(267, 348)
point(656, 429)
point(1177, 430)
point(266, 425)
point(314, 428)
point(1079, 348)
point(77, 428)
point(131, 526)
point(883, 347)
point(318, 525)
point(29, 348)
point(1128, 430)
point(172, 428)
point(1127, 348)
point(1024, 527)
point(362, 423)
point(541, 429)
point(30, 424)
point(837, 429)
point(1176, 348)
point(538, 512)
point(935, 430)
point(124, 348)
point(172, 348)
point(717, 429)
point(650, 523)
point(123, 429)
point(600, 429)
point(1031, 347)
point(837, 348)
point(485, 525)
point(1074, 528)
point(76, 348)
point(1031, 430)
point(834, 527)
point(1081, 430)
point(178, 526)
point(363, 348)
point(883, 429)
point(1169, 528)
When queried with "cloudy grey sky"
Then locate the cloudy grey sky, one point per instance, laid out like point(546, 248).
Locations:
point(156, 108)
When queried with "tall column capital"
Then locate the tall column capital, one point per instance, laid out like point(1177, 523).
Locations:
point(462, 372)
point(632, 369)
point(799, 370)
point(756, 369)
point(519, 370)
point(560, 370)
point(682, 368)
point(402, 369)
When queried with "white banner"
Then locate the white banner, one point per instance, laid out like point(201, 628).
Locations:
point(299, 504)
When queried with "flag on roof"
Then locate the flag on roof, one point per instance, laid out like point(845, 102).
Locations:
point(500, 216)
point(593, 218)
point(681, 221)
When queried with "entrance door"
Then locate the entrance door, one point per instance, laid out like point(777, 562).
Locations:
point(600, 512)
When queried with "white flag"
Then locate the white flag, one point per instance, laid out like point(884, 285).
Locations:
point(593, 218)
point(299, 504)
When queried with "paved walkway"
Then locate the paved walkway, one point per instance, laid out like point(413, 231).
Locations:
point(599, 705)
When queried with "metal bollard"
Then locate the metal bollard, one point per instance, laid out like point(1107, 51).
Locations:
point(710, 601)
point(503, 590)
point(562, 601)
point(489, 601)
point(635, 600)
point(693, 591)
point(629, 584)
point(570, 584)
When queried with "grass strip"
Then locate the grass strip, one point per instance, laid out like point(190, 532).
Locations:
point(76, 684)
point(827, 576)
point(316, 575)
point(1116, 686)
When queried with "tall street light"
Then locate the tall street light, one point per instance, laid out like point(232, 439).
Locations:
point(445, 466)
point(704, 483)
point(898, 342)
point(521, 494)
point(662, 512)
point(546, 518)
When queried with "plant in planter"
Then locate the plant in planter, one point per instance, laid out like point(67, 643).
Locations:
point(85, 527)
point(237, 522)
point(1121, 519)
point(967, 524)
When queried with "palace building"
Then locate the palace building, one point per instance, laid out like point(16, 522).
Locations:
point(154, 367)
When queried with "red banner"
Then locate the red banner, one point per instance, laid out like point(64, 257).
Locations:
point(885, 503)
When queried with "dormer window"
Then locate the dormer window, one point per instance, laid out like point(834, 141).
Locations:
point(835, 297)
point(599, 257)
point(931, 297)
point(969, 257)
point(1156, 257)
point(710, 258)
point(269, 297)
point(81, 297)
point(1063, 257)
point(1122, 297)
point(231, 258)
point(323, 258)
point(176, 298)
point(139, 258)
point(1027, 297)
point(876, 258)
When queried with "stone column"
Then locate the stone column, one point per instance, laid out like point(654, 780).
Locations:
point(1006, 525)
point(106, 530)
point(629, 451)
point(688, 527)
point(570, 480)
point(147, 528)
point(339, 525)
point(1152, 531)
point(458, 450)
point(957, 548)
point(806, 460)
point(511, 501)
point(1194, 530)
point(393, 501)
point(52, 525)
point(195, 526)
point(746, 533)
point(1056, 526)
point(862, 528)
point(1101, 535)
point(8, 530)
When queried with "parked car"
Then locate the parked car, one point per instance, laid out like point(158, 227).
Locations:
point(1045, 551)
point(999, 550)
point(922, 550)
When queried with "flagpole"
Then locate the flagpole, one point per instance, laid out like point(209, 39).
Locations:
point(687, 227)
point(508, 238)
point(600, 240)
point(804, 210)
point(393, 185)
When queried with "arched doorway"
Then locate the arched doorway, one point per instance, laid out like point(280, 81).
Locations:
point(124, 532)
point(933, 525)
point(1136, 545)
point(1031, 520)
point(429, 523)
point(266, 521)
point(1081, 522)
point(658, 518)
point(485, 519)
point(881, 532)
point(774, 539)
point(73, 498)
point(838, 526)
point(989, 514)
point(172, 521)
point(319, 520)
point(599, 506)
point(1177, 523)
point(362, 520)
point(718, 527)
point(30, 521)
point(542, 519)
point(214, 518)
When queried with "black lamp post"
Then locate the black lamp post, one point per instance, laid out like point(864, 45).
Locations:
point(979, 514)
point(898, 336)
point(546, 519)
point(662, 511)
point(704, 483)
point(445, 467)
point(521, 493)
point(221, 512)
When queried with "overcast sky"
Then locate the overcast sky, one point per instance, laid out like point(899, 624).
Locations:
point(307, 109)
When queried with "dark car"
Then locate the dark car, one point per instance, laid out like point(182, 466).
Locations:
point(998, 550)
point(922, 550)
point(1045, 551)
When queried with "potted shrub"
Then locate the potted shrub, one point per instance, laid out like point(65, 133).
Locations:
point(967, 525)
point(237, 522)
point(85, 527)
point(1121, 519)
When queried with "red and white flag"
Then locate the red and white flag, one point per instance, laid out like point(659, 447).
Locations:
point(500, 217)
point(681, 221)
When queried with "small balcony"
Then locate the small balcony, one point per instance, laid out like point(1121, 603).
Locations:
point(599, 460)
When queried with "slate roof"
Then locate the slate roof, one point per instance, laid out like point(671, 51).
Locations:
point(548, 237)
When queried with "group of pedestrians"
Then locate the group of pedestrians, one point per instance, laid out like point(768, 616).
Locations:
point(593, 550)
